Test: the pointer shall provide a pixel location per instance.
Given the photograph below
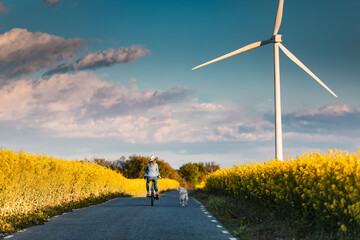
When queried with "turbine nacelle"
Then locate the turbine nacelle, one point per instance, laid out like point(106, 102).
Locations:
point(276, 38)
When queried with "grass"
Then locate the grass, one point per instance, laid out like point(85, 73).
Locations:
point(248, 222)
point(21, 221)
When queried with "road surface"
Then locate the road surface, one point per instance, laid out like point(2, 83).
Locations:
point(131, 219)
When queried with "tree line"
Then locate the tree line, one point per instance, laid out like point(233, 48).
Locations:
point(188, 175)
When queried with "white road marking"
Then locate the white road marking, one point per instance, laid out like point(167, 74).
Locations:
point(7, 237)
point(209, 216)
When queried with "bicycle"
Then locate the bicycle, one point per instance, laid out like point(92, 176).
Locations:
point(152, 195)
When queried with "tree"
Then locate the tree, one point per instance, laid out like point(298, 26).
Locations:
point(102, 162)
point(113, 165)
point(134, 167)
point(210, 167)
point(195, 173)
point(167, 171)
point(190, 172)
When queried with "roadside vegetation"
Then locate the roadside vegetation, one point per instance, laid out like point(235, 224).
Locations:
point(35, 187)
point(245, 219)
point(315, 196)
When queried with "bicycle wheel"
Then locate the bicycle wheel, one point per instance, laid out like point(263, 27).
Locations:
point(152, 197)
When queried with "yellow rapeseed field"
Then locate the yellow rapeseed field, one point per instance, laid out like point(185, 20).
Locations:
point(322, 188)
point(33, 185)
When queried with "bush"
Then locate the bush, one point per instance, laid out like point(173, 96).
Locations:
point(320, 189)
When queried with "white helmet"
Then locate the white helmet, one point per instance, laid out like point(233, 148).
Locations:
point(152, 158)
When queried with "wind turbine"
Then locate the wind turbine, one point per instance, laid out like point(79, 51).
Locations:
point(276, 39)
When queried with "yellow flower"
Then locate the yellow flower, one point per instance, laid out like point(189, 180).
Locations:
point(328, 183)
point(343, 228)
point(30, 183)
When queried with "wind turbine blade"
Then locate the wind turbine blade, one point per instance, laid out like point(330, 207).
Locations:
point(240, 50)
point(297, 61)
point(278, 17)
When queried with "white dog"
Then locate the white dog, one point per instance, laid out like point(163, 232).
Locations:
point(183, 196)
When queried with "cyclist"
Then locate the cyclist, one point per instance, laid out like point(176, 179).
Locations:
point(152, 173)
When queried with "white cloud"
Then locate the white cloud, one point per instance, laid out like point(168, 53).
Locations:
point(101, 59)
point(310, 137)
point(337, 119)
point(23, 52)
point(328, 110)
point(207, 107)
point(82, 105)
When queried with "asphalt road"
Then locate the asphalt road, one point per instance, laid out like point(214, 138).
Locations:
point(131, 219)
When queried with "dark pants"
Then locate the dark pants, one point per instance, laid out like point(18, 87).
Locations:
point(148, 179)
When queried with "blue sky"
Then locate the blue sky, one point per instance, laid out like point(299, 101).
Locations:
point(83, 79)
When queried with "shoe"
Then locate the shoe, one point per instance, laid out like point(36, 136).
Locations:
point(148, 195)
point(157, 196)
